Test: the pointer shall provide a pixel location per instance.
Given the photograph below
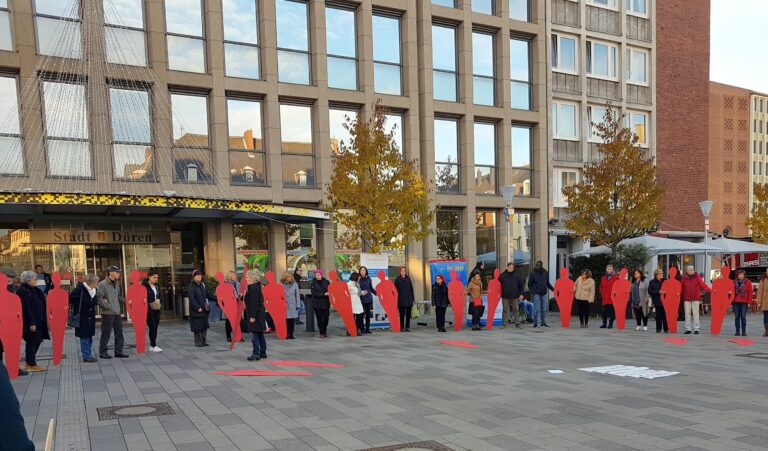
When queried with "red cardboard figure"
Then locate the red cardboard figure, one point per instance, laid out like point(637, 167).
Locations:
point(226, 297)
point(11, 326)
point(670, 298)
point(494, 295)
point(564, 292)
point(341, 300)
point(57, 309)
point(456, 298)
point(274, 301)
point(136, 303)
point(620, 298)
point(723, 293)
point(387, 295)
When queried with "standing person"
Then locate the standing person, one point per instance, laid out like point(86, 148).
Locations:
point(440, 301)
point(320, 302)
point(42, 279)
point(291, 302)
point(199, 309)
point(83, 301)
point(154, 300)
point(301, 304)
point(512, 287)
point(12, 431)
point(256, 314)
point(357, 304)
point(475, 292)
point(762, 300)
point(366, 297)
point(538, 284)
point(692, 285)
point(109, 299)
point(405, 298)
point(741, 300)
point(584, 293)
point(606, 287)
point(478, 269)
point(33, 314)
point(654, 290)
point(638, 297)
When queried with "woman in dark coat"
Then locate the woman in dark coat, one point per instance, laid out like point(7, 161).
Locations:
point(440, 301)
point(366, 297)
point(35, 323)
point(405, 298)
point(654, 290)
point(256, 315)
point(320, 302)
point(82, 300)
point(198, 309)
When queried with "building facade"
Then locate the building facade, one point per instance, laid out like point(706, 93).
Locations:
point(758, 139)
point(200, 133)
point(599, 53)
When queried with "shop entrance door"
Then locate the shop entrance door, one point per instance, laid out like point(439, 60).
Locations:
point(158, 257)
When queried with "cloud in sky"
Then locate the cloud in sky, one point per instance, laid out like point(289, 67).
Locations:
point(737, 55)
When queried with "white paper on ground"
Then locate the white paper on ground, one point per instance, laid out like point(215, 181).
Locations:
point(636, 372)
point(555, 371)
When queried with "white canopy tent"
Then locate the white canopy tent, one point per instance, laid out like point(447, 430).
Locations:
point(729, 246)
point(656, 246)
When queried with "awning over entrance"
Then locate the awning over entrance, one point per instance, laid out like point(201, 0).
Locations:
point(656, 246)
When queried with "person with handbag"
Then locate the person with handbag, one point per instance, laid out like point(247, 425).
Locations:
point(35, 319)
point(405, 299)
point(155, 305)
point(82, 314)
point(475, 292)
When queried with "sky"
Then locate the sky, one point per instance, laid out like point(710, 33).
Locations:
point(737, 43)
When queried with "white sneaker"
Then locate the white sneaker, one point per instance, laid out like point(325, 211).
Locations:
point(637, 328)
point(157, 349)
point(645, 327)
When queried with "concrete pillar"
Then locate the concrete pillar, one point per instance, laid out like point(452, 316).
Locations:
point(326, 249)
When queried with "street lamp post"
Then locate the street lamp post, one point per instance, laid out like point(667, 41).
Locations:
point(706, 207)
point(508, 192)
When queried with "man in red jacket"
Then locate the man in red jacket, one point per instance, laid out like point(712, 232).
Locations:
point(606, 286)
point(692, 285)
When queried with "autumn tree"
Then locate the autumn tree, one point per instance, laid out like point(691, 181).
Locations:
point(758, 220)
point(618, 196)
point(379, 196)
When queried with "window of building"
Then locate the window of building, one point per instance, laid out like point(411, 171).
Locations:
point(448, 222)
point(520, 73)
point(293, 64)
point(596, 116)
point(246, 145)
point(340, 136)
point(341, 41)
point(482, 68)
point(612, 4)
point(522, 242)
point(638, 123)
point(296, 146)
point(486, 241)
point(251, 246)
point(132, 152)
point(564, 120)
point(67, 141)
point(241, 38)
point(6, 39)
point(519, 10)
point(394, 125)
point(562, 178)
point(301, 249)
point(185, 35)
point(58, 28)
point(446, 3)
point(485, 158)
point(637, 7)
point(11, 154)
point(601, 59)
point(482, 6)
point(447, 155)
point(191, 148)
point(124, 32)
point(564, 53)
point(522, 149)
point(386, 55)
point(638, 67)
point(444, 73)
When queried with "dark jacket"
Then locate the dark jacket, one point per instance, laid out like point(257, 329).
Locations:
point(654, 291)
point(404, 287)
point(538, 282)
point(151, 295)
point(198, 321)
point(12, 431)
point(254, 308)
point(318, 288)
point(366, 284)
point(440, 295)
point(512, 285)
point(81, 302)
point(33, 311)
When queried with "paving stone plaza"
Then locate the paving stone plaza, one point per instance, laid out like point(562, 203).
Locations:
point(395, 390)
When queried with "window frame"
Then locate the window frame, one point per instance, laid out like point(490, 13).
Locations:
point(530, 128)
point(143, 31)
point(632, 12)
point(493, 8)
point(329, 56)
point(150, 144)
point(495, 167)
point(455, 72)
point(558, 200)
point(457, 163)
point(527, 12)
point(592, 137)
point(432, 3)
point(612, 54)
point(71, 80)
point(475, 75)
point(647, 54)
point(556, 120)
point(77, 20)
point(438, 231)
point(208, 148)
point(399, 65)
point(7, 10)
point(612, 5)
point(630, 115)
point(346, 109)
point(312, 155)
point(256, 46)
point(262, 152)
point(20, 135)
point(307, 53)
point(529, 82)
point(202, 38)
point(557, 54)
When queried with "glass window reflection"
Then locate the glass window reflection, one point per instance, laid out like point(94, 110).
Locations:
point(340, 136)
point(241, 38)
point(292, 42)
point(190, 120)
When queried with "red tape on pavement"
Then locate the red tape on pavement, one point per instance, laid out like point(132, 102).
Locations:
point(306, 364)
point(263, 373)
point(677, 341)
point(742, 341)
point(459, 344)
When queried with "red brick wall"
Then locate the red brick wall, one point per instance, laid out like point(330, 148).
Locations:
point(682, 96)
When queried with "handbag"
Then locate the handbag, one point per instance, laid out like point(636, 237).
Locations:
point(73, 319)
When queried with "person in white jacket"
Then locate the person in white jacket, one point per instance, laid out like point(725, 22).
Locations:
point(357, 304)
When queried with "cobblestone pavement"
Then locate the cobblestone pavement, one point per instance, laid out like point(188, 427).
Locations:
point(397, 389)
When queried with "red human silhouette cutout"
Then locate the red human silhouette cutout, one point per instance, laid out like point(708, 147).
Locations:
point(341, 300)
point(387, 294)
point(723, 293)
point(274, 301)
point(136, 303)
point(564, 292)
point(57, 309)
point(670, 298)
point(225, 295)
point(620, 297)
point(494, 295)
point(456, 298)
point(11, 326)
